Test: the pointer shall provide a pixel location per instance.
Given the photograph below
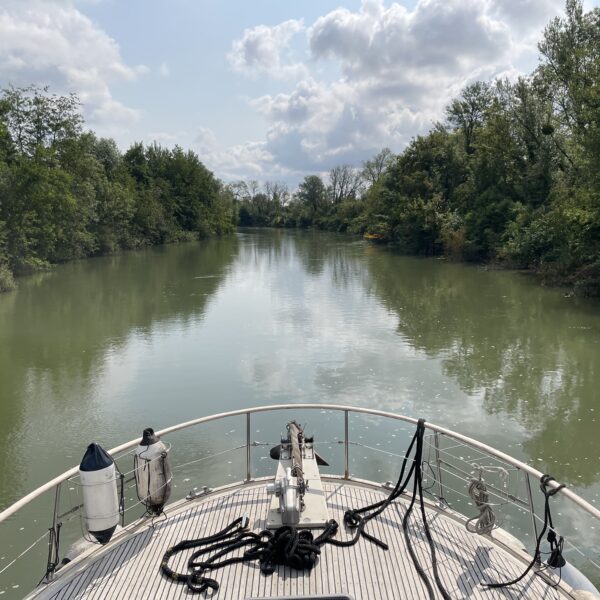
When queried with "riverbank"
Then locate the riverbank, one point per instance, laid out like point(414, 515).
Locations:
point(583, 283)
point(9, 281)
point(511, 173)
point(68, 194)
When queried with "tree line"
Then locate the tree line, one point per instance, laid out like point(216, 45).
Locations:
point(511, 175)
point(66, 193)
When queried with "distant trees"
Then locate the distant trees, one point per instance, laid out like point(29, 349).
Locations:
point(345, 183)
point(260, 206)
point(312, 193)
point(66, 194)
point(512, 175)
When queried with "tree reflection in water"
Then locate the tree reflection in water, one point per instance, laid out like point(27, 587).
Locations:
point(533, 353)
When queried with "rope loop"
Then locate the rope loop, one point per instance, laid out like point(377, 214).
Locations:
point(287, 546)
point(352, 519)
point(556, 545)
point(544, 481)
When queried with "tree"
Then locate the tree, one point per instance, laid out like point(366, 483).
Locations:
point(374, 169)
point(65, 194)
point(467, 113)
point(531, 153)
point(569, 73)
point(311, 193)
point(137, 164)
point(107, 153)
point(277, 193)
point(239, 190)
point(344, 183)
point(37, 120)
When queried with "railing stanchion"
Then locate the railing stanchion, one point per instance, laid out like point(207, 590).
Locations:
point(531, 508)
point(53, 549)
point(346, 447)
point(438, 462)
point(248, 457)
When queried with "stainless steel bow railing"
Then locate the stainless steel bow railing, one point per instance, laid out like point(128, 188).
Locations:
point(443, 461)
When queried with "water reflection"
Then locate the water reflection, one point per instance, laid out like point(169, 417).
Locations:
point(489, 352)
point(58, 332)
point(532, 353)
point(98, 350)
point(98, 347)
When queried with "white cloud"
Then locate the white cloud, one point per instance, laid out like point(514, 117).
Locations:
point(375, 77)
point(247, 160)
point(164, 138)
point(53, 43)
point(261, 50)
point(205, 140)
point(527, 15)
point(397, 68)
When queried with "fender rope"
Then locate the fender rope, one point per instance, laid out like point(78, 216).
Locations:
point(556, 558)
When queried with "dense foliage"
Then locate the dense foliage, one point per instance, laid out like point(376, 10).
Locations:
point(65, 194)
point(512, 175)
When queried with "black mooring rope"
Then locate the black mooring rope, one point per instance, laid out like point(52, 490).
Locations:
point(418, 487)
point(556, 558)
point(297, 548)
point(359, 517)
point(53, 551)
point(356, 519)
point(284, 546)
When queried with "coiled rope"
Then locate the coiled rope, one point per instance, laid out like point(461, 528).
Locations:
point(285, 546)
point(486, 519)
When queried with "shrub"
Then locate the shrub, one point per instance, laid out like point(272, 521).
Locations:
point(7, 281)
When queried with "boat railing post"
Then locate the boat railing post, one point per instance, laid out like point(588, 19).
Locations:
point(53, 540)
point(531, 507)
point(438, 462)
point(346, 446)
point(248, 457)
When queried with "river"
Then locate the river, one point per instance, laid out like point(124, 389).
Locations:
point(97, 349)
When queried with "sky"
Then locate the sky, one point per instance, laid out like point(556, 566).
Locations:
point(268, 89)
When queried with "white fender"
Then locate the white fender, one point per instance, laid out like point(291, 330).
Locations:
point(152, 472)
point(583, 587)
point(99, 483)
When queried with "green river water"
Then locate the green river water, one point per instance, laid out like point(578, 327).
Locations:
point(96, 350)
